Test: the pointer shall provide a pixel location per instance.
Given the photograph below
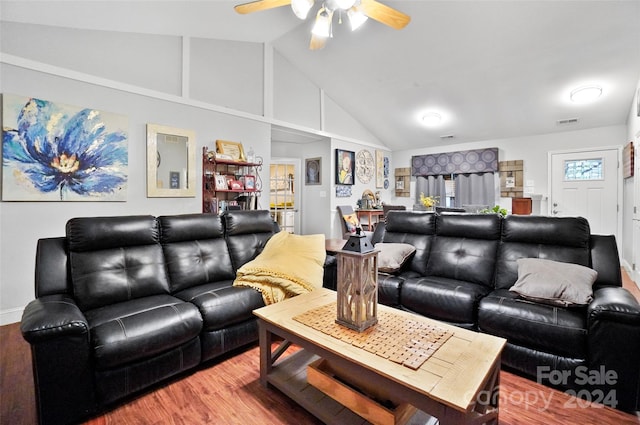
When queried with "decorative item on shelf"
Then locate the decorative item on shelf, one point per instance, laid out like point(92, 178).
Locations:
point(367, 200)
point(221, 182)
point(357, 286)
point(213, 205)
point(249, 182)
point(251, 156)
point(236, 185)
point(429, 202)
point(234, 149)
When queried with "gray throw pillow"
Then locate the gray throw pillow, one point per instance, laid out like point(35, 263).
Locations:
point(393, 255)
point(553, 282)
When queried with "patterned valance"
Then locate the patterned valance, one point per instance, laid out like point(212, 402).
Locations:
point(473, 161)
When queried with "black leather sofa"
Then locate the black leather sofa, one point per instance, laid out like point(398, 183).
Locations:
point(123, 303)
point(461, 273)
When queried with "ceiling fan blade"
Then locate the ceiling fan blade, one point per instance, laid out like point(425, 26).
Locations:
point(385, 14)
point(258, 5)
point(317, 43)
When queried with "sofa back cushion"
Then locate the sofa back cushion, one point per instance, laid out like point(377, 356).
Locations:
point(115, 259)
point(414, 228)
point(195, 250)
point(247, 232)
point(465, 247)
point(564, 239)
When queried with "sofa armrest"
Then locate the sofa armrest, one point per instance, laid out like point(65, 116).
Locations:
point(330, 277)
point(605, 260)
point(61, 357)
point(51, 317)
point(613, 325)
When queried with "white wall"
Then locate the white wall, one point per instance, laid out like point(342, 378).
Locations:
point(532, 149)
point(23, 223)
point(128, 77)
point(125, 75)
point(631, 212)
point(335, 230)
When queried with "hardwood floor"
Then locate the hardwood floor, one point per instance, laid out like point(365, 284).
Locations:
point(228, 392)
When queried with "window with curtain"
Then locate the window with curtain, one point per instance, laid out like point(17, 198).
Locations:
point(474, 191)
point(465, 179)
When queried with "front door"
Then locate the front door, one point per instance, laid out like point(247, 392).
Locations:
point(585, 183)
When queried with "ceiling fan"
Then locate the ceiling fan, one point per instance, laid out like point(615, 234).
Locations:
point(358, 11)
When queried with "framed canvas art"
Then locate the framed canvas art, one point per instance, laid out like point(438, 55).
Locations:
point(312, 167)
point(379, 169)
point(56, 152)
point(345, 167)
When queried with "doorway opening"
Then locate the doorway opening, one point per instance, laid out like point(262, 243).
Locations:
point(284, 193)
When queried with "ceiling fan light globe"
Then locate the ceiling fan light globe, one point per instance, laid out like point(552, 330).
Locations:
point(322, 27)
point(301, 8)
point(356, 18)
point(344, 4)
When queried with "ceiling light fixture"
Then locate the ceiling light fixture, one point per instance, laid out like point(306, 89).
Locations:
point(431, 119)
point(358, 11)
point(322, 27)
point(344, 4)
point(585, 94)
point(301, 8)
point(356, 17)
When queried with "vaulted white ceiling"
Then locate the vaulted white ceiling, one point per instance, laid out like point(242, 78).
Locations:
point(493, 69)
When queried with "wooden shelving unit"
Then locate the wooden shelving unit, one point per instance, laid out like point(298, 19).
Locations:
point(217, 197)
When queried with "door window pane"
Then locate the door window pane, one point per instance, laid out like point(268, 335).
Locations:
point(583, 169)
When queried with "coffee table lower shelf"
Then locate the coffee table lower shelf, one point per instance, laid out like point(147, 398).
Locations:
point(289, 375)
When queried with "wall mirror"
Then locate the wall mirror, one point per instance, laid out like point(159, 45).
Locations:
point(171, 162)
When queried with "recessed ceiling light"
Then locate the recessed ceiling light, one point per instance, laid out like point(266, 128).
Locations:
point(585, 94)
point(431, 119)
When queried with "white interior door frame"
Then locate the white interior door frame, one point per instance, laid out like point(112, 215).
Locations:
point(619, 194)
point(297, 186)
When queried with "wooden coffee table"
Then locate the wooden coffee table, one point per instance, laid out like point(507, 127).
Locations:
point(458, 384)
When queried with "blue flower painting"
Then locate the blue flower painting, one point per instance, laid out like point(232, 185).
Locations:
point(53, 152)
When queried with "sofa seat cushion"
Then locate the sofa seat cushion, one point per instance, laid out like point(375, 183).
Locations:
point(558, 330)
point(141, 328)
point(389, 289)
point(222, 304)
point(441, 298)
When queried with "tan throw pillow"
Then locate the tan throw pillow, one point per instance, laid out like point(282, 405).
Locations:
point(352, 222)
point(393, 255)
point(553, 282)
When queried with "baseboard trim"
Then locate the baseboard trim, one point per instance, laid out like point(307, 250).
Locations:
point(11, 315)
point(632, 274)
